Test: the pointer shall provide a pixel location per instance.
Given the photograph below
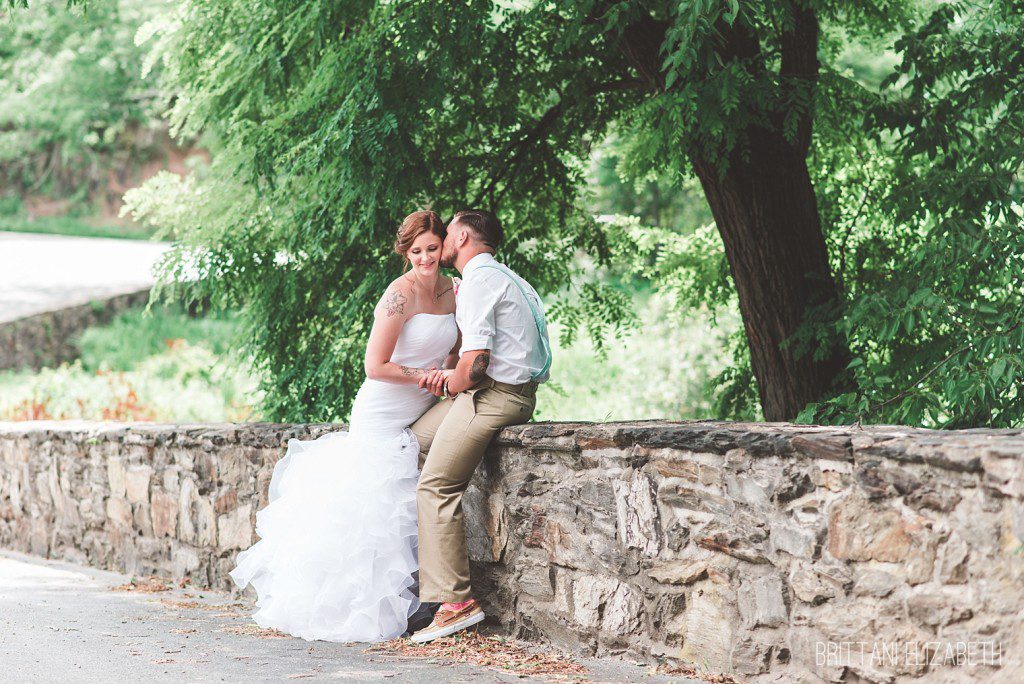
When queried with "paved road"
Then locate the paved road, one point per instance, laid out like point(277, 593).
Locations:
point(60, 622)
point(46, 272)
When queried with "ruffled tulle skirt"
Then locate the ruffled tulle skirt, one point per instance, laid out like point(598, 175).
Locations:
point(337, 549)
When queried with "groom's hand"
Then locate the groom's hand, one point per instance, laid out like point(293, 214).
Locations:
point(434, 381)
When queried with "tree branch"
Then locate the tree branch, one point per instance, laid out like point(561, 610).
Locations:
point(515, 155)
point(931, 371)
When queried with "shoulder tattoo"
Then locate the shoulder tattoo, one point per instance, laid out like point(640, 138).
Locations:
point(442, 293)
point(394, 303)
point(479, 368)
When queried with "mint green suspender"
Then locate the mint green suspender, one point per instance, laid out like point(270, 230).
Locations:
point(541, 324)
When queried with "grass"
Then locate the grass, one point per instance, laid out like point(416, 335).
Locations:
point(74, 226)
point(169, 367)
point(135, 336)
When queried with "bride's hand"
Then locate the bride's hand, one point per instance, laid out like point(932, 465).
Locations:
point(426, 380)
point(434, 381)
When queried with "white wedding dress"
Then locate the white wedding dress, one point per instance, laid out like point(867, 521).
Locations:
point(337, 546)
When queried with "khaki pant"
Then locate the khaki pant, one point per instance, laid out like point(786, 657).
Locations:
point(453, 436)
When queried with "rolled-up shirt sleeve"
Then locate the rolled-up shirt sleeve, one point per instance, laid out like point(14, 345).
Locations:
point(477, 300)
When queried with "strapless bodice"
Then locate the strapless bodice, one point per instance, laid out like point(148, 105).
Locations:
point(387, 408)
point(425, 340)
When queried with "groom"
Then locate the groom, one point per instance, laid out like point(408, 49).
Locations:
point(505, 353)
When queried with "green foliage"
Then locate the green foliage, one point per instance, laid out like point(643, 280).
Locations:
point(615, 384)
point(69, 225)
point(139, 334)
point(335, 120)
point(918, 175)
point(161, 365)
point(74, 101)
point(663, 198)
point(927, 229)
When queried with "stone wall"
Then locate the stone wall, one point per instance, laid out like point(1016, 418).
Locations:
point(770, 551)
point(47, 339)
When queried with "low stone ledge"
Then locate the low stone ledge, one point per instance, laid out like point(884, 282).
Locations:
point(47, 339)
point(750, 548)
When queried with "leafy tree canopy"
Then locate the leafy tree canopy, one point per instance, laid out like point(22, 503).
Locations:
point(335, 119)
point(73, 96)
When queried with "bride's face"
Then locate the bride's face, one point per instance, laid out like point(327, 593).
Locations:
point(425, 254)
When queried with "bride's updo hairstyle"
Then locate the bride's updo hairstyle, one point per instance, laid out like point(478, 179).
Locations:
point(414, 225)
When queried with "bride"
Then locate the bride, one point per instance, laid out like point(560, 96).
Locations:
point(337, 548)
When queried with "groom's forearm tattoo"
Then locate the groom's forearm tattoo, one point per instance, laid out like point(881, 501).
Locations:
point(479, 368)
point(394, 303)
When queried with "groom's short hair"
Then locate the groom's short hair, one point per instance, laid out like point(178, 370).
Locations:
point(484, 224)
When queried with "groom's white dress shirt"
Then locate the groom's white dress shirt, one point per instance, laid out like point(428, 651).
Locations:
point(492, 314)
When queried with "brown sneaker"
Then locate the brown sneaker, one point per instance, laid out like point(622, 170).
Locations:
point(447, 622)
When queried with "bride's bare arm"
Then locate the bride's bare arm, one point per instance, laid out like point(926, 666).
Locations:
point(453, 355)
point(388, 318)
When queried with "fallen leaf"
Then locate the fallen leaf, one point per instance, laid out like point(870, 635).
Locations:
point(254, 630)
point(496, 653)
point(179, 605)
point(147, 585)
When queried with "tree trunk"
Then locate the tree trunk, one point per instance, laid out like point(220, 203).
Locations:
point(767, 214)
point(763, 202)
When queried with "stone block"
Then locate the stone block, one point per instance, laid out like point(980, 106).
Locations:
point(537, 581)
point(860, 531)
point(226, 501)
point(232, 466)
point(751, 655)
point(920, 562)
point(835, 476)
point(170, 479)
point(761, 602)
point(710, 621)
point(623, 611)
point(185, 561)
point(206, 523)
point(638, 525)
point(589, 595)
point(876, 583)
point(736, 543)
point(690, 500)
point(137, 483)
point(679, 572)
point(936, 609)
point(119, 512)
point(797, 541)
point(164, 510)
point(116, 476)
point(955, 553)
point(810, 587)
point(668, 623)
point(543, 533)
point(748, 490)
point(487, 529)
point(42, 489)
point(186, 497)
point(235, 529)
point(142, 520)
